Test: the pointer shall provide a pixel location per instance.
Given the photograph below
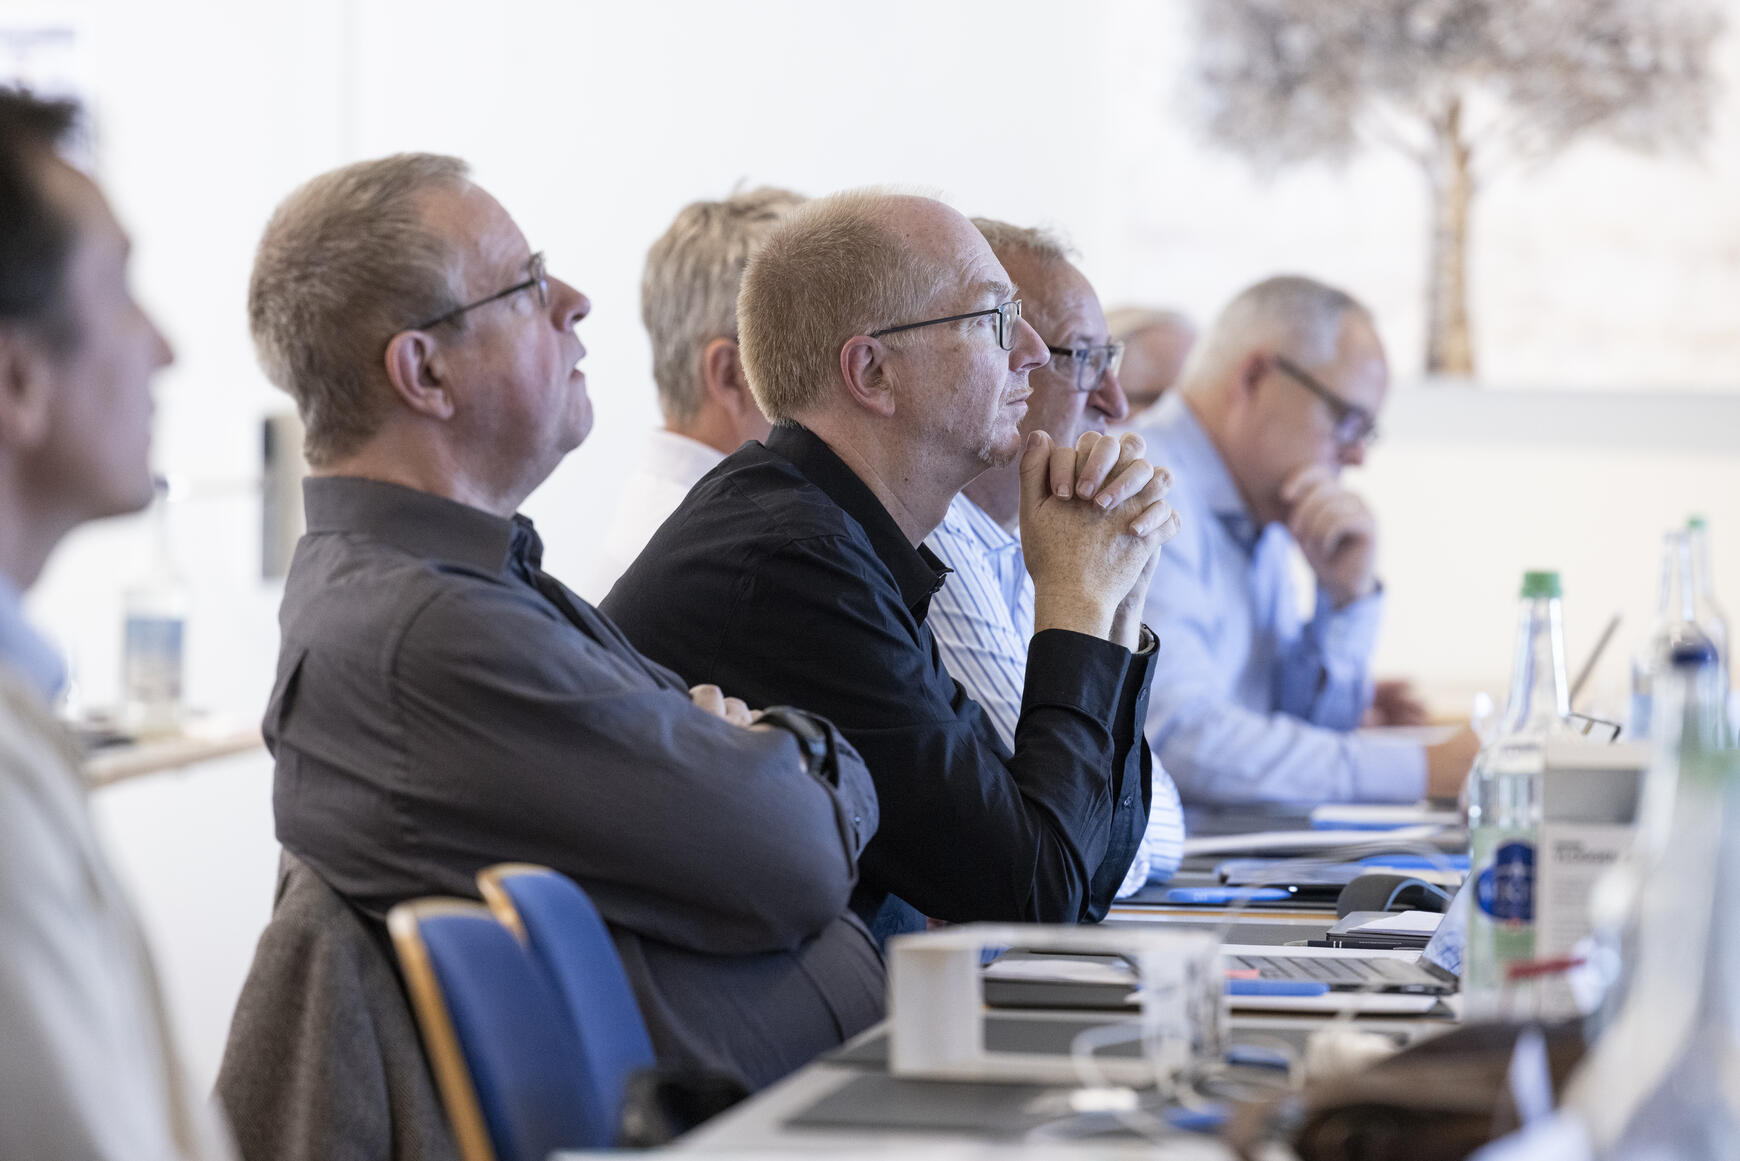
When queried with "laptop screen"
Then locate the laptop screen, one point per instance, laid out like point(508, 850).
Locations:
point(1444, 949)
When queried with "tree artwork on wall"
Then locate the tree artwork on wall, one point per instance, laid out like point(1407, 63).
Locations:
point(1464, 88)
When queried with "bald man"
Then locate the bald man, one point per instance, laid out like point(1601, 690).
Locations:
point(885, 342)
point(1250, 703)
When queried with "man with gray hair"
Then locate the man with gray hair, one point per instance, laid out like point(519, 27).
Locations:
point(983, 616)
point(885, 341)
point(443, 703)
point(688, 302)
point(1249, 703)
point(1156, 343)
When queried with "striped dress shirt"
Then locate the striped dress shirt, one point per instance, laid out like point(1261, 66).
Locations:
point(983, 620)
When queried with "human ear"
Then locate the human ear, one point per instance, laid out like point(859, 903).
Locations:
point(1251, 371)
point(26, 388)
point(869, 378)
point(723, 377)
point(417, 373)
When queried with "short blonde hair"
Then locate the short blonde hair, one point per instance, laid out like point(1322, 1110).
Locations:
point(688, 291)
point(832, 270)
point(346, 262)
point(1036, 242)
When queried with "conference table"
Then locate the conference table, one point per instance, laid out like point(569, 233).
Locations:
point(847, 1104)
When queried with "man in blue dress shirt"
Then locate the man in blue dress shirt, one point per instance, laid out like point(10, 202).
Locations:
point(983, 618)
point(1250, 702)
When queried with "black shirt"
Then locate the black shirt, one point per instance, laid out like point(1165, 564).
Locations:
point(783, 579)
point(443, 704)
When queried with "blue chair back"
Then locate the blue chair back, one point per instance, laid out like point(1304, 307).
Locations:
point(505, 1056)
point(567, 935)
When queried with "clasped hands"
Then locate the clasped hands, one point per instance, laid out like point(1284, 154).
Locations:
point(1093, 519)
point(1335, 531)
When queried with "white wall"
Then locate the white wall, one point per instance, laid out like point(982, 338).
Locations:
point(593, 122)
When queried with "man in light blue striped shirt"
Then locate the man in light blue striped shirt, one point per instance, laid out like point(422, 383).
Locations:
point(983, 616)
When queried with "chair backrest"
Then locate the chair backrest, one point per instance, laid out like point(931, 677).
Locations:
point(558, 922)
point(506, 1059)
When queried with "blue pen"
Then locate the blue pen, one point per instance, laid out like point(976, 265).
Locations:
point(1276, 988)
point(1223, 896)
point(1417, 862)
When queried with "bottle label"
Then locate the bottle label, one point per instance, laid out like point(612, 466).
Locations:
point(151, 659)
point(1505, 889)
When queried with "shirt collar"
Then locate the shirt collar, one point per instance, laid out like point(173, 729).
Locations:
point(24, 649)
point(967, 520)
point(917, 571)
point(680, 458)
point(420, 523)
point(1191, 454)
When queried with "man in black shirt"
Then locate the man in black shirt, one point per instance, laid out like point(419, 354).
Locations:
point(442, 703)
point(883, 338)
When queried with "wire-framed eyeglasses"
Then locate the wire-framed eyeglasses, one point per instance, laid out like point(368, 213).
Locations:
point(1354, 425)
point(536, 281)
point(1092, 364)
point(1006, 314)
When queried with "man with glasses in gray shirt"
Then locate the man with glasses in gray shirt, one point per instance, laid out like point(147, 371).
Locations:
point(442, 703)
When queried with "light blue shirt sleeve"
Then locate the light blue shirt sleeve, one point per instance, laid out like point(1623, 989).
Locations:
point(982, 620)
point(1322, 670)
point(1221, 622)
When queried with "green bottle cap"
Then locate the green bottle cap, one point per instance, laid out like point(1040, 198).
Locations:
point(1540, 584)
point(1693, 523)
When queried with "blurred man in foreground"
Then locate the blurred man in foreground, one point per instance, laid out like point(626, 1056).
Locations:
point(1250, 703)
point(983, 616)
point(87, 1063)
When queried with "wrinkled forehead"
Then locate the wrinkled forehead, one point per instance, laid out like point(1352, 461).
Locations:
point(971, 276)
point(1362, 370)
point(80, 203)
point(1057, 298)
point(484, 244)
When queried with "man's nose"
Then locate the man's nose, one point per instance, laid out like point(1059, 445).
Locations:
point(1109, 399)
point(1351, 455)
point(570, 305)
point(1028, 353)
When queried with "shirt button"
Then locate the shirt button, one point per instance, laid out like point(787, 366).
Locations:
point(1127, 799)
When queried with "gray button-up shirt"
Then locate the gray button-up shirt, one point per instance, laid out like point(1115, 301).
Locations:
point(435, 712)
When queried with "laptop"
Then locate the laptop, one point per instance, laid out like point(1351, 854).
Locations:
point(1105, 982)
point(1435, 971)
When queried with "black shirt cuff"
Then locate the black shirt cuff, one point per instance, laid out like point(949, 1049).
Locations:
point(1076, 671)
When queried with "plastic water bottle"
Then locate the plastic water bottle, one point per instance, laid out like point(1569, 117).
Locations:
point(1675, 614)
point(155, 632)
point(1683, 695)
point(1662, 1080)
point(1706, 612)
point(1504, 803)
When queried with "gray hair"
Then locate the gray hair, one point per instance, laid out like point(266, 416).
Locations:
point(1288, 313)
point(688, 291)
point(831, 270)
point(346, 262)
point(1038, 243)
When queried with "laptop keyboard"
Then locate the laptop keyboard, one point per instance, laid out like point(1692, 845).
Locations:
point(1335, 971)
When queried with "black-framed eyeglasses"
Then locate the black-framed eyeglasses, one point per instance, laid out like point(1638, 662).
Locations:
point(1006, 314)
point(537, 281)
point(1354, 425)
point(1091, 363)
